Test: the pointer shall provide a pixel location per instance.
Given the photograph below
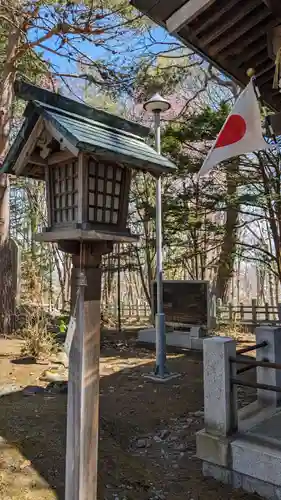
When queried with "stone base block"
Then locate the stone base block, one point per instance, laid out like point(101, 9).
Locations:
point(217, 472)
point(254, 414)
point(248, 461)
point(196, 332)
point(175, 339)
point(161, 380)
point(239, 480)
point(212, 448)
point(196, 344)
point(257, 459)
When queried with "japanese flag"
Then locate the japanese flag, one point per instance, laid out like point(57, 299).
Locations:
point(241, 133)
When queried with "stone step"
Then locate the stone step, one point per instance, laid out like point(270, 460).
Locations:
point(254, 456)
point(185, 340)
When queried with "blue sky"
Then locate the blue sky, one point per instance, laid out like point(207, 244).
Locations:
point(129, 50)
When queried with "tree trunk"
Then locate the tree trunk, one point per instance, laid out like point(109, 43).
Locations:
point(227, 254)
point(6, 101)
point(8, 274)
point(4, 208)
point(238, 279)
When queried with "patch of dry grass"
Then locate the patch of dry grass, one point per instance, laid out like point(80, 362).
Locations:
point(236, 331)
point(38, 339)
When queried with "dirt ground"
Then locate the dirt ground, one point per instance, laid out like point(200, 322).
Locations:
point(147, 431)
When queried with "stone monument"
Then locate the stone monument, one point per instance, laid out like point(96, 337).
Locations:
point(188, 313)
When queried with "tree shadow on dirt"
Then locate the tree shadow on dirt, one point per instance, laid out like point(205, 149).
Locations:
point(24, 360)
point(131, 409)
point(36, 425)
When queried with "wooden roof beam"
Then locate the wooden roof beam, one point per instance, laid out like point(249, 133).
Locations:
point(273, 93)
point(215, 17)
point(275, 121)
point(234, 17)
point(28, 147)
point(37, 160)
point(60, 156)
point(275, 96)
point(64, 143)
point(245, 42)
point(264, 79)
point(265, 69)
point(236, 34)
point(253, 58)
point(274, 6)
point(187, 13)
point(258, 60)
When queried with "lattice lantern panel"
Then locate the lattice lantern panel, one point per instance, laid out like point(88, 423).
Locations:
point(64, 180)
point(105, 190)
point(88, 193)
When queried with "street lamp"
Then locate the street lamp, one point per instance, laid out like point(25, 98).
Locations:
point(157, 105)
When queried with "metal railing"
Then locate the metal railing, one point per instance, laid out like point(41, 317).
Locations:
point(249, 365)
point(251, 348)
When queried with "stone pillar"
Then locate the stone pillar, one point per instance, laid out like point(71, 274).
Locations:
point(279, 311)
point(220, 402)
point(272, 353)
point(83, 385)
point(212, 317)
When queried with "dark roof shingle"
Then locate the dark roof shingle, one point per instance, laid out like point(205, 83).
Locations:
point(91, 136)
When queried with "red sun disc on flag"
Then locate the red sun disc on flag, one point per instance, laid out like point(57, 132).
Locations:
point(232, 132)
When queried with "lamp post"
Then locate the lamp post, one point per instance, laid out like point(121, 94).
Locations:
point(158, 105)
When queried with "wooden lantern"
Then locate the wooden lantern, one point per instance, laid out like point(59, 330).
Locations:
point(86, 157)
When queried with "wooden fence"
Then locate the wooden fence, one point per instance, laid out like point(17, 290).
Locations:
point(244, 314)
point(137, 312)
point(251, 314)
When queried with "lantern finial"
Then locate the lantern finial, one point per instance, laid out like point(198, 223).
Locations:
point(251, 72)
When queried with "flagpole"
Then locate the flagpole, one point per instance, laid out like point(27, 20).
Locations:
point(268, 126)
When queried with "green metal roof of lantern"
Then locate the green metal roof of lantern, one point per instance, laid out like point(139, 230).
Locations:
point(87, 129)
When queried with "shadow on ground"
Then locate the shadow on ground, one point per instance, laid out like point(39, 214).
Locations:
point(147, 433)
point(28, 360)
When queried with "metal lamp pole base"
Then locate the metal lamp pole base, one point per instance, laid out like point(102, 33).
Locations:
point(161, 373)
point(160, 368)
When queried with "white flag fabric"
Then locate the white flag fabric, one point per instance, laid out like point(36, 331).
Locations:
point(241, 133)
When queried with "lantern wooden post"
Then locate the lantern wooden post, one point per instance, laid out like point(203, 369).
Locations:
point(83, 384)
